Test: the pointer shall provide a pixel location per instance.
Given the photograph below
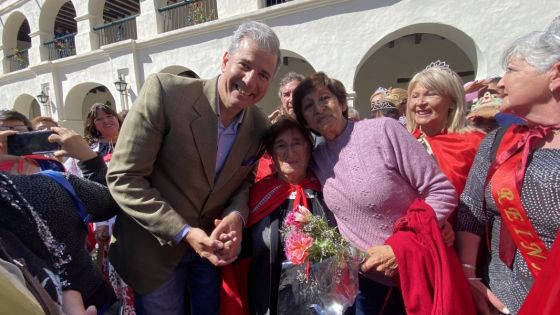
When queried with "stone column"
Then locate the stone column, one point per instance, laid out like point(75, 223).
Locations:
point(351, 97)
point(150, 20)
point(5, 63)
point(87, 40)
point(37, 52)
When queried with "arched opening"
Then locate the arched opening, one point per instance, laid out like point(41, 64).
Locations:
point(98, 94)
point(119, 20)
point(177, 14)
point(79, 100)
point(35, 109)
point(189, 74)
point(27, 105)
point(181, 71)
point(396, 58)
point(59, 27)
point(16, 42)
point(291, 62)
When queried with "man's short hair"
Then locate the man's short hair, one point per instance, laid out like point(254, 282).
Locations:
point(289, 77)
point(262, 34)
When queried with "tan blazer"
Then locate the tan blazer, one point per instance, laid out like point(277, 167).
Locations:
point(162, 174)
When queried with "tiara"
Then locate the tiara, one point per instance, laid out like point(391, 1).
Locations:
point(395, 98)
point(381, 90)
point(379, 105)
point(439, 65)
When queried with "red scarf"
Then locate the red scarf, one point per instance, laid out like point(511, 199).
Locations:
point(431, 277)
point(266, 196)
point(454, 154)
point(506, 177)
point(270, 192)
point(265, 167)
point(40, 160)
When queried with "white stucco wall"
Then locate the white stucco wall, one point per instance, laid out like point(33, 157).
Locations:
point(337, 37)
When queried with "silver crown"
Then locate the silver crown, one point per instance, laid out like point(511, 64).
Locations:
point(379, 105)
point(440, 65)
point(381, 90)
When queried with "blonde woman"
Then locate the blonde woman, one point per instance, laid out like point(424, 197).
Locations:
point(435, 114)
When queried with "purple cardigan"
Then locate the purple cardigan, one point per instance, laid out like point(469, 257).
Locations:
point(370, 175)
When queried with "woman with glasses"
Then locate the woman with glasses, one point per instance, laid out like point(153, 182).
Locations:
point(12, 120)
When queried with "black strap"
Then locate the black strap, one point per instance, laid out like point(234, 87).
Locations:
point(497, 140)
point(500, 132)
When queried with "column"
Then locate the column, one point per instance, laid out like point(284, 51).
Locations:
point(37, 52)
point(86, 40)
point(149, 23)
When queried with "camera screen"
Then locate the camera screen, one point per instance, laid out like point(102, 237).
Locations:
point(34, 142)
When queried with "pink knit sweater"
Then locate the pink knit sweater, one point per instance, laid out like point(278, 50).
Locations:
point(370, 175)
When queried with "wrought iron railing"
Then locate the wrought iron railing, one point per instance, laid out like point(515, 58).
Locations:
point(61, 47)
point(117, 31)
point(187, 13)
point(19, 60)
point(275, 2)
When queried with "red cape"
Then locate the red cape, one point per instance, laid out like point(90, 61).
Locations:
point(544, 297)
point(431, 277)
point(454, 154)
point(265, 197)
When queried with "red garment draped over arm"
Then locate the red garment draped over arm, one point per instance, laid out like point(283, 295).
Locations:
point(431, 277)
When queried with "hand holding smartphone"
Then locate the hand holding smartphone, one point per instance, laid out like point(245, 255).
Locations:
point(34, 142)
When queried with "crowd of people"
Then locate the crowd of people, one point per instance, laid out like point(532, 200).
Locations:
point(450, 191)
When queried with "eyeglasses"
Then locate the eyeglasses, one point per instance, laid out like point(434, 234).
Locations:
point(18, 128)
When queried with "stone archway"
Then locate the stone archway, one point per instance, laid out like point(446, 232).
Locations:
point(392, 61)
point(291, 62)
point(181, 71)
point(28, 106)
point(79, 100)
point(57, 21)
point(16, 42)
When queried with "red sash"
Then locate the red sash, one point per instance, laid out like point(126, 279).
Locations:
point(506, 176)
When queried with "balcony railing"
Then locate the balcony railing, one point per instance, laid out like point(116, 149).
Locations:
point(117, 31)
point(61, 47)
point(187, 13)
point(275, 2)
point(19, 60)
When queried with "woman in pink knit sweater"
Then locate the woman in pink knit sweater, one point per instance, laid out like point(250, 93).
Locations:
point(370, 171)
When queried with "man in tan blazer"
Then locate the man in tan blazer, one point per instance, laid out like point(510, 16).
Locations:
point(181, 172)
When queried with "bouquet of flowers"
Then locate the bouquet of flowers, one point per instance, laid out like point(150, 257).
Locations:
point(323, 270)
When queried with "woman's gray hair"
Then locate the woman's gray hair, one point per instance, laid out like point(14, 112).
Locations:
point(539, 49)
point(262, 34)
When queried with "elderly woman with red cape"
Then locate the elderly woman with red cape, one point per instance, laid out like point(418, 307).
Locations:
point(436, 113)
point(264, 290)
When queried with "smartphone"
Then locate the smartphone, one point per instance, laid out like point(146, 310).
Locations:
point(34, 142)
